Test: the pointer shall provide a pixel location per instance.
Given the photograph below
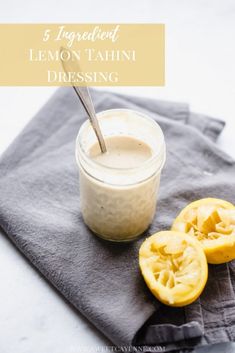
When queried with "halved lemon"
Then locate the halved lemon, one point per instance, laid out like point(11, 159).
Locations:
point(212, 222)
point(174, 267)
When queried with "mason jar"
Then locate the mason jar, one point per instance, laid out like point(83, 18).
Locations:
point(118, 204)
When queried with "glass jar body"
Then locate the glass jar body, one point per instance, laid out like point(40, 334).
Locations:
point(119, 204)
point(118, 213)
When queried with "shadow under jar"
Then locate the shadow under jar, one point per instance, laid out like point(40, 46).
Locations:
point(118, 189)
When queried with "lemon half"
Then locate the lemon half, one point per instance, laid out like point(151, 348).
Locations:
point(174, 267)
point(212, 222)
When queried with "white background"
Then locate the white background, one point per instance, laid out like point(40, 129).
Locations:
point(200, 70)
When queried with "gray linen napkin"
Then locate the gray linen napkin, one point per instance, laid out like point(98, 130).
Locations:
point(39, 211)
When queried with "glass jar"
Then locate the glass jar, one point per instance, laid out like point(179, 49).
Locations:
point(118, 204)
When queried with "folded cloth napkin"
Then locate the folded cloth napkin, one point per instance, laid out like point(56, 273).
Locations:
point(39, 211)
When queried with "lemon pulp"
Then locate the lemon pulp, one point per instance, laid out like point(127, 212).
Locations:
point(212, 222)
point(174, 267)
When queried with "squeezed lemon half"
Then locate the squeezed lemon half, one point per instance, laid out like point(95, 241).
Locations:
point(174, 267)
point(212, 222)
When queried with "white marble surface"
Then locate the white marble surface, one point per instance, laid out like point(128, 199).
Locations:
point(199, 69)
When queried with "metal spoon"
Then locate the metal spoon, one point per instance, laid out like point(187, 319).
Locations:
point(83, 94)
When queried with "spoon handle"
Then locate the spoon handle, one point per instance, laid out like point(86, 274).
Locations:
point(84, 95)
point(85, 98)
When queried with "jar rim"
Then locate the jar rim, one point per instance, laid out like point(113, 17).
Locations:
point(156, 154)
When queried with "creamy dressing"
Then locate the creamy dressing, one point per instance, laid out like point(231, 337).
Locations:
point(122, 152)
point(115, 212)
